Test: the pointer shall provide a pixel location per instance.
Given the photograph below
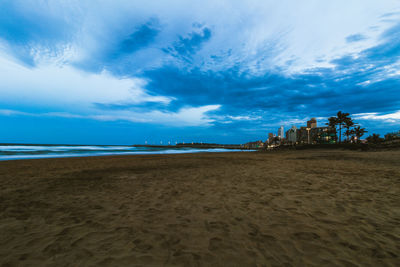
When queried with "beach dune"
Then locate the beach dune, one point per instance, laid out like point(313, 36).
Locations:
point(311, 208)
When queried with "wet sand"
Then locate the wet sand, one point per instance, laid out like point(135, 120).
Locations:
point(296, 208)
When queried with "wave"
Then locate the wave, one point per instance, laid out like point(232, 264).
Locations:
point(11, 152)
point(62, 148)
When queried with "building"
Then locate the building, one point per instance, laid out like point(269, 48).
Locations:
point(291, 135)
point(302, 135)
point(316, 135)
point(312, 123)
point(392, 136)
point(323, 135)
point(256, 144)
point(310, 134)
point(270, 138)
point(281, 133)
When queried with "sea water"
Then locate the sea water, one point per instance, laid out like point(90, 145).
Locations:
point(14, 152)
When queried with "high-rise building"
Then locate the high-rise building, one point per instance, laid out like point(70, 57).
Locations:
point(311, 134)
point(291, 135)
point(281, 132)
point(312, 123)
point(323, 135)
point(270, 138)
point(316, 135)
point(391, 136)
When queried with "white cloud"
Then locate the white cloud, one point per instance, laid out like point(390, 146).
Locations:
point(390, 118)
point(10, 112)
point(54, 85)
point(260, 34)
point(73, 93)
point(184, 117)
point(190, 116)
point(244, 118)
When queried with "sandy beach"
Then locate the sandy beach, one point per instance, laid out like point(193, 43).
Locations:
point(293, 208)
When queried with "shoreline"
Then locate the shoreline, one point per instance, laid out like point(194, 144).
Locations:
point(195, 145)
point(122, 154)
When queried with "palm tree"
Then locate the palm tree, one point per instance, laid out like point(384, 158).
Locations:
point(358, 132)
point(332, 123)
point(374, 138)
point(348, 123)
point(340, 120)
point(348, 133)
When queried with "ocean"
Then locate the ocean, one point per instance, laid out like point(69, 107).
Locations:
point(15, 152)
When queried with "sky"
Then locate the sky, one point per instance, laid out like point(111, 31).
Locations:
point(129, 71)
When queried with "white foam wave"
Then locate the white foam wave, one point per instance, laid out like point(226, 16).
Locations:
point(17, 148)
point(97, 153)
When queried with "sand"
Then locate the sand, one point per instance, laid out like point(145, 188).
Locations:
point(295, 208)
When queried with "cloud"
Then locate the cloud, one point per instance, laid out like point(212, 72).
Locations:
point(245, 118)
point(189, 116)
point(140, 38)
point(260, 35)
point(54, 85)
point(9, 112)
point(390, 117)
point(66, 92)
point(355, 38)
point(185, 47)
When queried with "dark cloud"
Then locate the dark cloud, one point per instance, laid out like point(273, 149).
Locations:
point(140, 38)
point(387, 52)
point(355, 84)
point(390, 14)
point(121, 54)
point(185, 47)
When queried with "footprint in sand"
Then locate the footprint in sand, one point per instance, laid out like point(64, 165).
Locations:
point(141, 246)
point(307, 236)
point(207, 209)
point(254, 229)
point(214, 243)
point(217, 226)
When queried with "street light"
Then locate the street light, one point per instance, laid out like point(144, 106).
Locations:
point(308, 133)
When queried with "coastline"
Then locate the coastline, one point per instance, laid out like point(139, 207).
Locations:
point(310, 207)
point(21, 152)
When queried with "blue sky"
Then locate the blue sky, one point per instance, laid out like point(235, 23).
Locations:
point(123, 72)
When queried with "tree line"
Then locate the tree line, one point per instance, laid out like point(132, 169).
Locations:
point(351, 130)
point(342, 122)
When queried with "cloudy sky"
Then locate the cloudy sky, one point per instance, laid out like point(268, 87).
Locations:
point(126, 71)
